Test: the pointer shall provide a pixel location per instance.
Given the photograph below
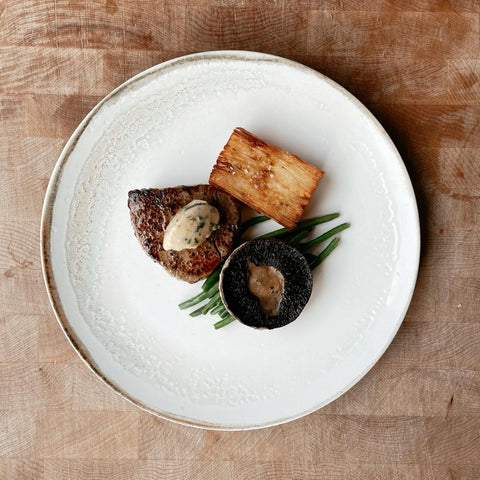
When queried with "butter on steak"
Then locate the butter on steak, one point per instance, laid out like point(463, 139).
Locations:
point(151, 211)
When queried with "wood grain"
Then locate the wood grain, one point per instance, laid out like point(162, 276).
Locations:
point(396, 33)
point(416, 66)
point(55, 431)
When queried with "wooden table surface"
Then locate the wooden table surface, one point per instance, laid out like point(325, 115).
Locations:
point(416, 65)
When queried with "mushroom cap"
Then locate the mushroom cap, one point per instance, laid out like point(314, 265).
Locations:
point(245, 306)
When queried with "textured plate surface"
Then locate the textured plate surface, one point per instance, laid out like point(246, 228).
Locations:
point(165, 127)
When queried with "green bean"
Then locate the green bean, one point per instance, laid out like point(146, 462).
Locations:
point(315, 241)
point(296, 237)
point(212, 303)
point(199, 298)
point(301, 226)
point(218, 308)
point(324, 253)
point(212, 278)
point(224, 313)
point(197, 312)
point(251, 222)
point(224, 322)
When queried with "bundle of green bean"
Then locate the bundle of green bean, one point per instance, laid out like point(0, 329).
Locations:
point(294, 237)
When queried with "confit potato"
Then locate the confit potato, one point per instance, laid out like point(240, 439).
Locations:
point(265, 177)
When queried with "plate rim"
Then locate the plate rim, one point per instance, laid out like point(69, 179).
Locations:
point(49, 202)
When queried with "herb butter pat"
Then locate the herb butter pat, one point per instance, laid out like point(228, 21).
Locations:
point(191, 225)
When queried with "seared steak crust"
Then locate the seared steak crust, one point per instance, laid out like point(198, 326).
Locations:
point(151, 211)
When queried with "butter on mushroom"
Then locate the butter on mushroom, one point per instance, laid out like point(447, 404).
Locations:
point(267, 284)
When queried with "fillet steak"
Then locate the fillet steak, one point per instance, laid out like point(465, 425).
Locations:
point(151, 211)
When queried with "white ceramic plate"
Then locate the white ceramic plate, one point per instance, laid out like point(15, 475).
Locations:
point(165, 127)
